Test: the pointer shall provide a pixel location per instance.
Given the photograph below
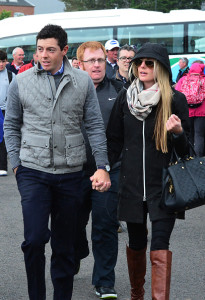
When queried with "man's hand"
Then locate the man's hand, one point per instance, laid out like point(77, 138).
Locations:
point(15, 170)
point(173, 125)
point(100, 180)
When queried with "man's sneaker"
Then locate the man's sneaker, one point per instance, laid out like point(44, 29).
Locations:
point(105, 292)
point(3, 173)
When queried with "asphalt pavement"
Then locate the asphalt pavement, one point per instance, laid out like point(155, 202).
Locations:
point(187, 244)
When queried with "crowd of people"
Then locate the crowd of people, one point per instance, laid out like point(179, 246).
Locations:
point(94, 135)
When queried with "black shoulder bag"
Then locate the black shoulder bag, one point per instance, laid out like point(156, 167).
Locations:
point(183, 183)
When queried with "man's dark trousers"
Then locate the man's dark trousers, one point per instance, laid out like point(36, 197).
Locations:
point(104, 229)
point(58, 195)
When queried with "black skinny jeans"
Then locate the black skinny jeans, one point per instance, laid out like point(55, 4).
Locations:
point(161, 232)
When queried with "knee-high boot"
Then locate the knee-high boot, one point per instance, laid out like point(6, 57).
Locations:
point(136, 261)
point(161, 261)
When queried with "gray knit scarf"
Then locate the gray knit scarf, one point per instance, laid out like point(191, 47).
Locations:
point(140, 102)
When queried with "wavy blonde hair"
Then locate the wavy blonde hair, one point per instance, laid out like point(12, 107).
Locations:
point(161, 76)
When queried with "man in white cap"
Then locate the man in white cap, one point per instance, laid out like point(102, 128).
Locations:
point(111, 47)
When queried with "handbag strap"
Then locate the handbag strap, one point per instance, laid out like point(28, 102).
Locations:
point(176, 158)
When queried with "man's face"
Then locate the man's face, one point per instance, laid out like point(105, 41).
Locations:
point(50, 55)
point(3, 64)
point(18, 57)
point(95, 70)
point(182, 64)
point(112, 55)
point(124, 60)
point(75, 63)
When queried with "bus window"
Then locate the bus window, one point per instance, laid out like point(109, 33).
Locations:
point(196, 39)
point(170, 35)
point(79, 36)
point(27, 42)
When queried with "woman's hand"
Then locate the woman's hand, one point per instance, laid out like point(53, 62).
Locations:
point(173, 125)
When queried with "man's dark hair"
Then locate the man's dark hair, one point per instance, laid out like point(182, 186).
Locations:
point(74, 58)
point(3, 55)
point(53, 31)
point(125, 47)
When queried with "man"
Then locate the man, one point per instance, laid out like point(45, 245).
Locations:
point(111, 47)
point(46, 106)
point(92, 59)
point(75, 62)
point(32, 63)
point(17, 63)
point(124, 57)
point(184, 69)
point(5, 79)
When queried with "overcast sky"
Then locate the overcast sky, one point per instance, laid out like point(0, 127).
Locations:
point(47, 6)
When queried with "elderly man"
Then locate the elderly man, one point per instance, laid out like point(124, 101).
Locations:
point(111, 47)
point(92, 59)
point(125, 55)
point(46, 107)
point(183, 68)
point(17, 63)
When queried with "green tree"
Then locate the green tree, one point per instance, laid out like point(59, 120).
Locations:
point(5, 14)
point(160, 5)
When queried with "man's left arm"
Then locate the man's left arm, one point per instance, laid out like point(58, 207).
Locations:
point(95, 130)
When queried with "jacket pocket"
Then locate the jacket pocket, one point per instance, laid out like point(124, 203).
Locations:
point(36, 149)
point(75, 150)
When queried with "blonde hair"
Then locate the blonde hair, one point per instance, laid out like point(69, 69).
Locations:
point(161, 75)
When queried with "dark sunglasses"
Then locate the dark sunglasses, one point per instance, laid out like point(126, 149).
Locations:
point(148, 63)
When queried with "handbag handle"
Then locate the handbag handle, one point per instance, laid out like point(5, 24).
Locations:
point(174, 153)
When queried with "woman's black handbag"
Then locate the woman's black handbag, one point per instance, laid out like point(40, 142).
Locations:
point(183, 184)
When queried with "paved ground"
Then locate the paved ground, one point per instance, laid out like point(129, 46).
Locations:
point(187, 244)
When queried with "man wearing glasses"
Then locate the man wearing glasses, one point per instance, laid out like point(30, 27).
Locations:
point(92, 59)
point(124, 57)
point(17, 63)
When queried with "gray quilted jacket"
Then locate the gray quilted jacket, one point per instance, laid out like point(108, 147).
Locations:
point(43, 125)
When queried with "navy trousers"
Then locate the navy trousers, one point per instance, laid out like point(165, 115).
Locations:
point(104, 230)
point(3, 153)
point(58, 196)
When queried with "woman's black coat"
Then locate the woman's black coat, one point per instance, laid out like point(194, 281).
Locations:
point(125, 133)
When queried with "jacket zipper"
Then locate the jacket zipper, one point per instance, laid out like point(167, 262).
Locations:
point(143, 134)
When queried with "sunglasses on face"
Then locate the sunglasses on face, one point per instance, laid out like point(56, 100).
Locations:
point(148, 63)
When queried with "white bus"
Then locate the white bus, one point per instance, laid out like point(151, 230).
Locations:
point(181, 31)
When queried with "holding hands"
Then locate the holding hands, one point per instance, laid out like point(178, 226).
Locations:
point(101, 181)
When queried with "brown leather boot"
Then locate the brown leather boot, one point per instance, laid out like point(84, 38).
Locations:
point(161, 274)
point(136, 261)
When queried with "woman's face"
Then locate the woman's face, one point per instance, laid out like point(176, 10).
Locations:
point(145, 68)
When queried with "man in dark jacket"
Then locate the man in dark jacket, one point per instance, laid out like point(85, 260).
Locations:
point(17, 63)
point(111, 47)
point(124, 56)
point(184, 69)
point(92, 58)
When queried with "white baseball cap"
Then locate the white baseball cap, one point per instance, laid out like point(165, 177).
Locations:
point(110, 44)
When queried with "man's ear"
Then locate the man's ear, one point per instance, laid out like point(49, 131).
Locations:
point(65, 50)
point(81, 66)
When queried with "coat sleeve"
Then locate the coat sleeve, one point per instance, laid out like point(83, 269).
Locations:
point(115, 129)
point(180, 108)
point(12, 124)
point(94, 126)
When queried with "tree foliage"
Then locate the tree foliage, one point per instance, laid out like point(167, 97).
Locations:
point(159, 5)
point(5, 14)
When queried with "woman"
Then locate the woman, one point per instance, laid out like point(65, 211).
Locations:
point(147, 120)
point(197, 112)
